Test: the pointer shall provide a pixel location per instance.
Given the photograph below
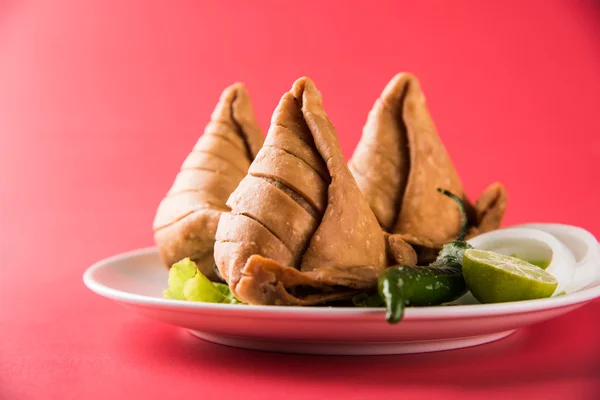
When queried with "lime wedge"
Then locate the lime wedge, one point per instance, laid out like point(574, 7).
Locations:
point(496, 278)
point(543, 264)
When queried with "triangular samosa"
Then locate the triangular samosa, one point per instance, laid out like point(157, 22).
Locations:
point(399, 163)
point(187, 218)
point(299, 231)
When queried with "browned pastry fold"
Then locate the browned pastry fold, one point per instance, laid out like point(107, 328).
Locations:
point(399, 163)
point(187, 218)
point(299, 231)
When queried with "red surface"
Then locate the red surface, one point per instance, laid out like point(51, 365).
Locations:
point(100, 102)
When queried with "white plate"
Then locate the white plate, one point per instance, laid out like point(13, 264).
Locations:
point(137, 279)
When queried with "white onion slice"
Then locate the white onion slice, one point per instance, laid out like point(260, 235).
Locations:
point(584, 247)
point(529, 243)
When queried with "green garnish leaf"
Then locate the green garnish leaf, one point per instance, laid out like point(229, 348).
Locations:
point(225, 291)
point(186, 282)
point(199, 288)
point(179, 274)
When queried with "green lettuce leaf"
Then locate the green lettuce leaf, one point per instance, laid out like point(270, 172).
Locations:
point(179, 274)
point(224, 289)
point(186, 282)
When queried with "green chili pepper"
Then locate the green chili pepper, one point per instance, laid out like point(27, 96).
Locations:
point(452, 253)
point(440, 282)
point(404, 285)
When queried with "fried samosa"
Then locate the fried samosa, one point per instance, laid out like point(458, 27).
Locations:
point(187, 218)
point(299, 231)
point(399, 163)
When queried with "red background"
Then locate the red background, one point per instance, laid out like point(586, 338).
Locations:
point(100, 101)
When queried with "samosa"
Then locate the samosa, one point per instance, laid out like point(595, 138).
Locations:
point(299, 231)
point(187, 218)
point(399, 163)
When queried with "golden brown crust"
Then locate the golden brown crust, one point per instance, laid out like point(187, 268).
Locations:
point(292, 172)
point(333, 246)
point(400, 251)
point(179, 205)
point(191, 235)
point(399, 163)
point(424, 212)
point(297, 224)
point(380, 162)
point(489, 208)
point(186, 220)
point(274, 284)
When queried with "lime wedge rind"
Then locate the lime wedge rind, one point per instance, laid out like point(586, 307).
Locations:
point(497, 278)
point(512, 265)
point(532, 244)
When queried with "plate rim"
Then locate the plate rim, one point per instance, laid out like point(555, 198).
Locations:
point(413, 313)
